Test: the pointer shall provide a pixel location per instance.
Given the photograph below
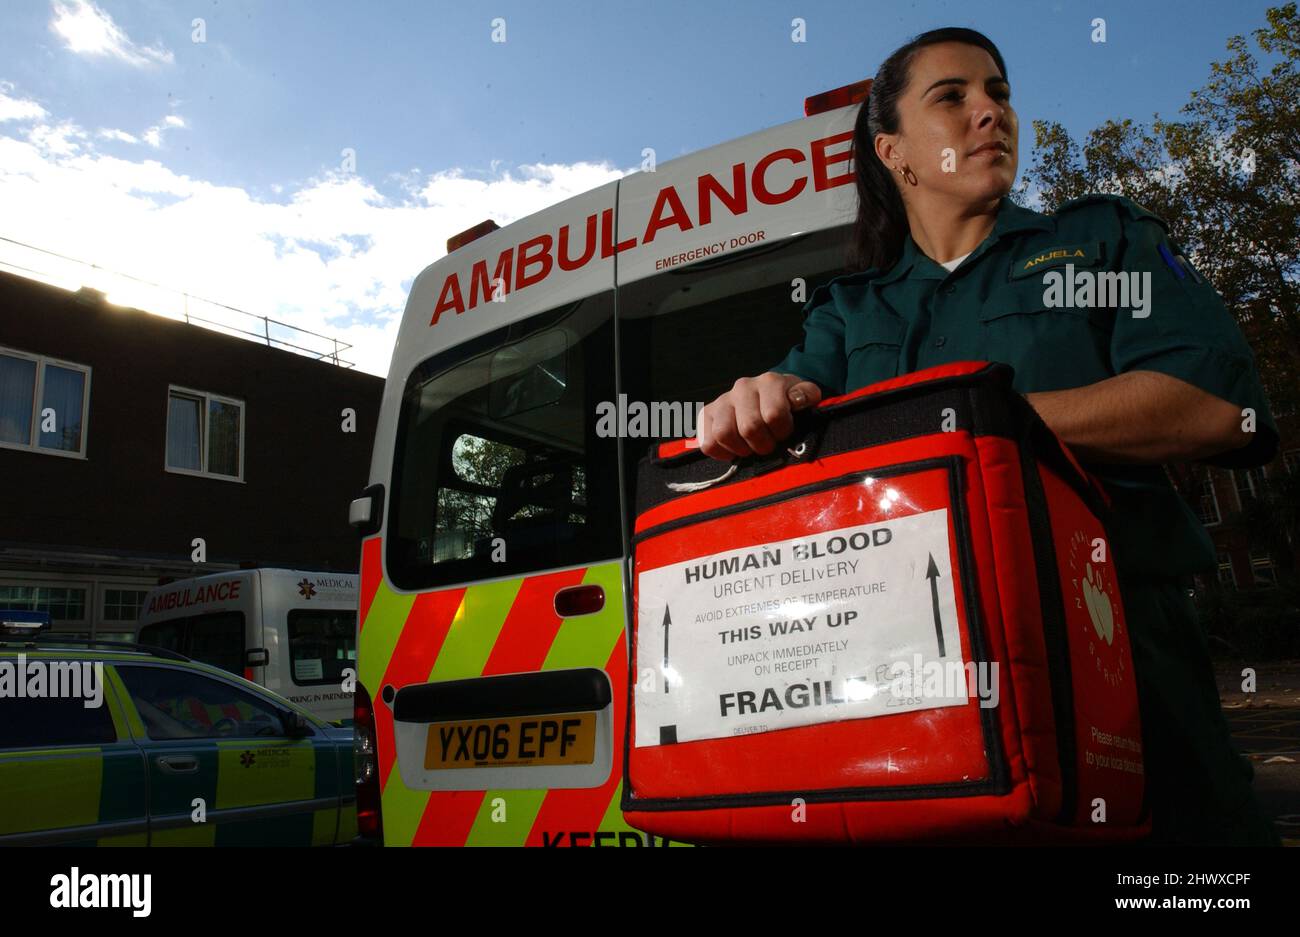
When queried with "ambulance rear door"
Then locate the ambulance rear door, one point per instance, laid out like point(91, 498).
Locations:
point(309, 622)
point(211, 618)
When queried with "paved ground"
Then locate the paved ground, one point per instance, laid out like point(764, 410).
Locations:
point(1266, 727)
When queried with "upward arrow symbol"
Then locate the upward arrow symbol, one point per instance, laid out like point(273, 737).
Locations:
point(932, 574)
point(667, 621)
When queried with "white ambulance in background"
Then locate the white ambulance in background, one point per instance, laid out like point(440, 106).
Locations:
point(291, 631)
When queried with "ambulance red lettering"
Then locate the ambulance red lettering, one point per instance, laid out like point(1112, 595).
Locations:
point(667, 198)
point(603, 838)
point(736, 200)
point(669, 211)
point(481, 288)
point(590, 248)
point(760, 183)
point(213, 592)
point(450, 298)
point(541, 257)
point(820, 161)
point(607, 246)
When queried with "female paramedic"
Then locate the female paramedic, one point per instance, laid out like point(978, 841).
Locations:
point(953, 270)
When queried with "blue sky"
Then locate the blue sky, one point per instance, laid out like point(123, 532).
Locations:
point(222, 157)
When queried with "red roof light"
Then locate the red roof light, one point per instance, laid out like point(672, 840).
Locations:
point(471, 234)
point(837, 97)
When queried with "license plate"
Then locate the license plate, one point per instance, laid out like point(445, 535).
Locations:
point(566, 739)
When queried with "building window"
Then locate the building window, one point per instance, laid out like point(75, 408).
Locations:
point(123, 604)
point(1291, 461)
point(63, 603)
point(205, 434)
point(1227, 576)
point(1250, 484)
point(1208, 502)
point(1261, 567)
point(43, 404)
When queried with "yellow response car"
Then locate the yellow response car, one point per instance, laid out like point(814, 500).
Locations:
point(118, 744)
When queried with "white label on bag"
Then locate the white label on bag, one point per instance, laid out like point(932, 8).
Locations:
point(813, 629)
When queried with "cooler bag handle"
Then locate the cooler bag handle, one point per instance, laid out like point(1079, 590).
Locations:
point(809, 427)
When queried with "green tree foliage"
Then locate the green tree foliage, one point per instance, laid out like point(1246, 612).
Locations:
point(1226, 178)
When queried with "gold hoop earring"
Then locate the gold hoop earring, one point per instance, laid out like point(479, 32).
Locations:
point(909, 177)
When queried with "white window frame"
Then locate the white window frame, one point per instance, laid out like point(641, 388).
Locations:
point(206, 397)
point(101, 598)
point(1214, 498)
point(59, 625)
point(38, 393)
point(1262, 559)
point(1250, 483)
point(1224, 559)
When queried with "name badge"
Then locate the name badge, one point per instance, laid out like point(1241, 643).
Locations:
point(1081, 255)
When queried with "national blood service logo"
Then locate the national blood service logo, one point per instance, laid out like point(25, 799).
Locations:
point(1095, 593)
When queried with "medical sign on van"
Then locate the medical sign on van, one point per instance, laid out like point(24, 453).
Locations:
point(195, 595)
point(327, 588)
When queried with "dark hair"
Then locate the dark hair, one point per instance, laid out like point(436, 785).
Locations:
point(881, 224)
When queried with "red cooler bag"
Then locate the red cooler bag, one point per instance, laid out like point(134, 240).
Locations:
point(904, 625)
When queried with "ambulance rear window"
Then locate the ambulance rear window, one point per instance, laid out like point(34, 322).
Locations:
point(322, 643)
point(498, 468)
point(688, 333)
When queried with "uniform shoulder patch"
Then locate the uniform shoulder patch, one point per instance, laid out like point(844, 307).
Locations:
point(1169, 250)
point(823, 292)
point(1129, 208)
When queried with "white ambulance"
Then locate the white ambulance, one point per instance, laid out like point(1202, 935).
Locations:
point(292, 631)
point(496, 528)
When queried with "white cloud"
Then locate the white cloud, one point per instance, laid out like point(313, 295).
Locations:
point(335, 255)
point(12, 108)
point(154, 135)
point(88, 30)
point(57, 140)
point(109, 133)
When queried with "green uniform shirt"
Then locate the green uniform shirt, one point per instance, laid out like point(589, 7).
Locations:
point(870, 326)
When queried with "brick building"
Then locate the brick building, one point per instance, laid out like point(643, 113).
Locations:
point(126, 436)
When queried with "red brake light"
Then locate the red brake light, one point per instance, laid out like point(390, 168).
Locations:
point(470, 234)
point(365, 761)
point(837, 97)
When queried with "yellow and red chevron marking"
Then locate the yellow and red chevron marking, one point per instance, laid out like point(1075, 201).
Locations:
point(497, 627)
